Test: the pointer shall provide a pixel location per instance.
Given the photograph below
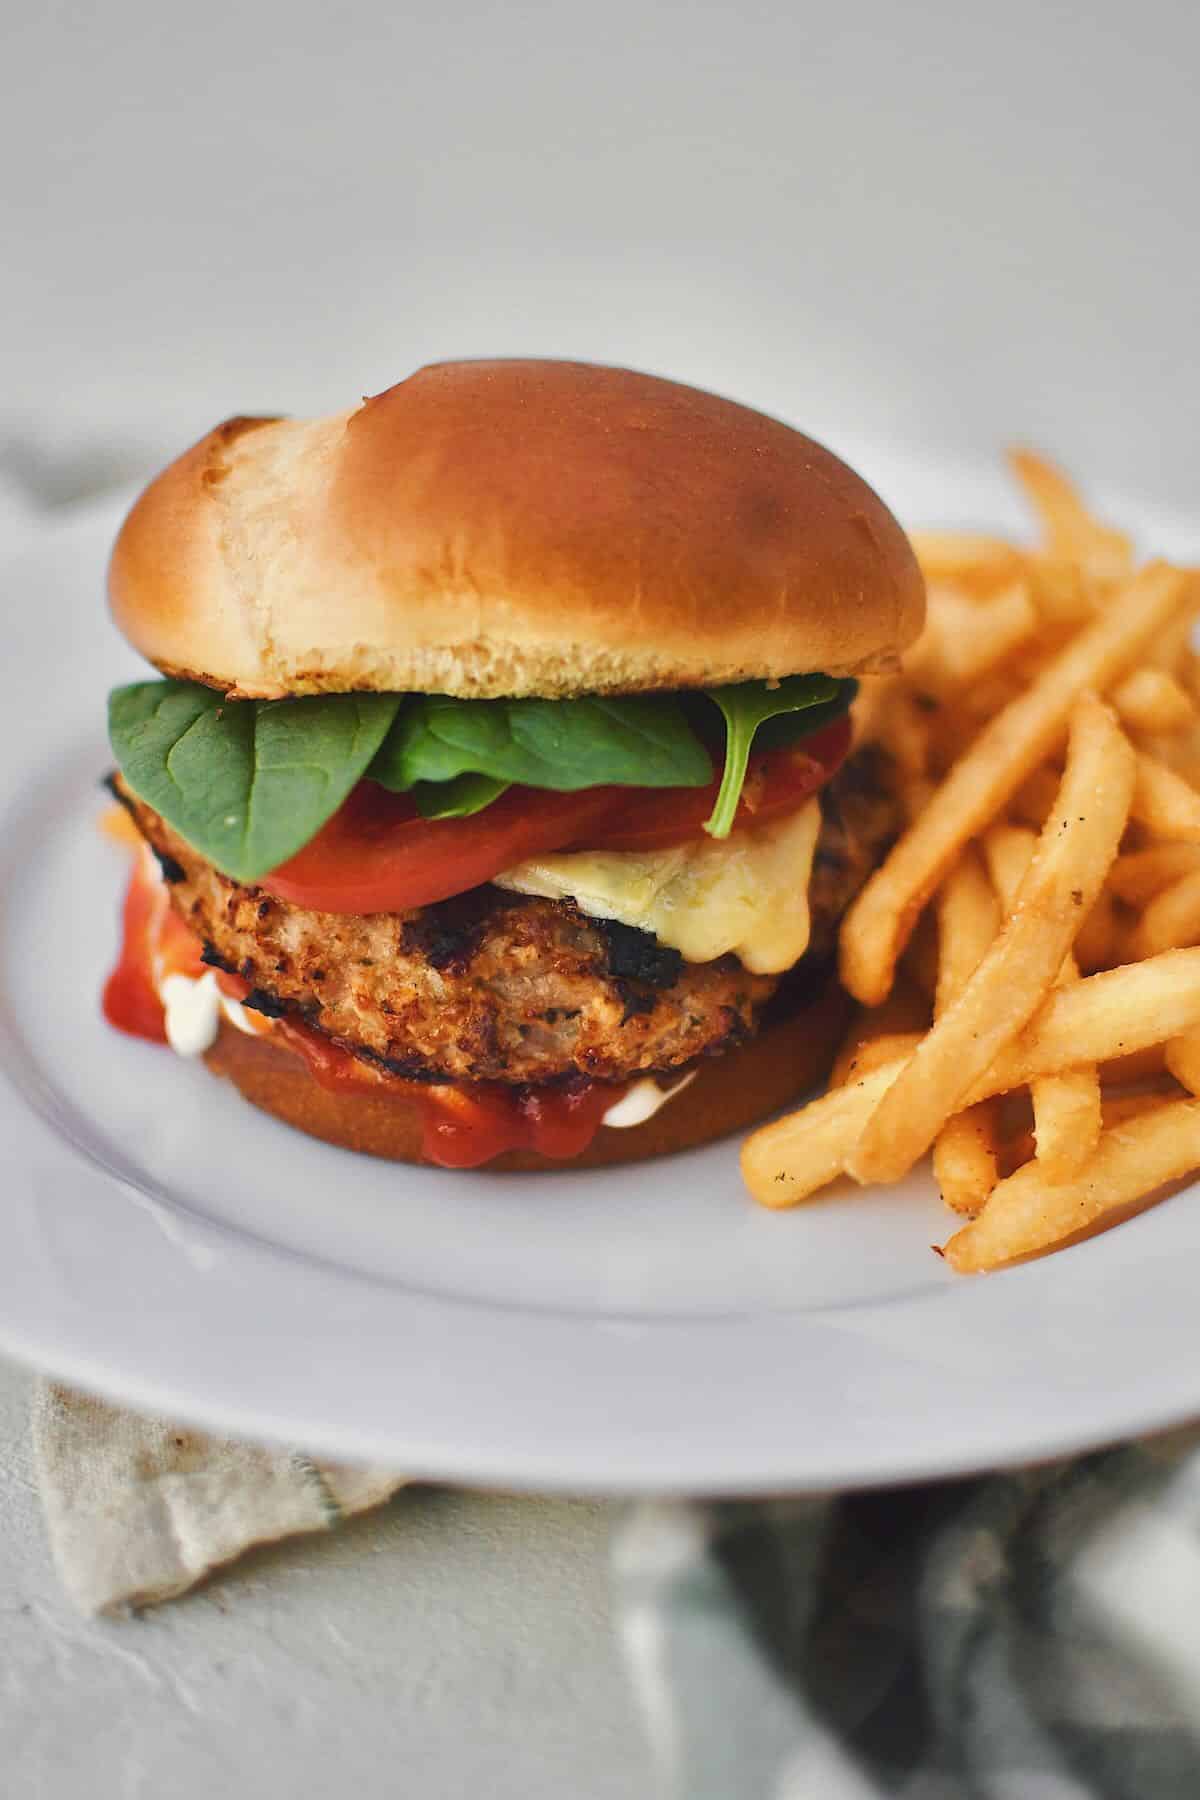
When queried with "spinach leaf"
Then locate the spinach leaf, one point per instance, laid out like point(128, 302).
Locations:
point(642, 740)
point(246, 782)
point(457, 799)
point(750, 704)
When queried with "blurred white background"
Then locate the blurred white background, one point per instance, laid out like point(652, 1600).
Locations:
point(940, 223)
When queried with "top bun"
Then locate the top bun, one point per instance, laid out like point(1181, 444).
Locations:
point(508, 528)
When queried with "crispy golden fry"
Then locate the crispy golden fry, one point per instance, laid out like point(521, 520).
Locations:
point(1070, 529)
point(1027, 1213)
point(1007, 751)
point(903, 728)
point(1066, 1108)
point(903, 1016)
point(1061, 592)
point(1153, 700)
point(1166, 804)
point(968, 919)
point(965, 1158)
point(1119, 1019)
point(786, 1161)
point(1182, 1057)
point(1171, 649)
point(1013, 1084)
point(966, 638)
point(968, 922)
point(965, 557)
point(1139, 875)
point(1008, 851)
point(1125, 1014)
point(1178, 751)
point(1067, 1121)
point(871, 1053)
point(1171, 921)
point(1075, 849)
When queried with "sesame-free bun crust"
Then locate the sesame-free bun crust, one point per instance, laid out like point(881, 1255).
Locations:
point(730, 1093)
point(507, 528)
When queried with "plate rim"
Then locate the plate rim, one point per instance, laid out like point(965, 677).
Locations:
point(63, 1340)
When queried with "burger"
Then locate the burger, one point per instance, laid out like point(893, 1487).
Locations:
point(497, 793)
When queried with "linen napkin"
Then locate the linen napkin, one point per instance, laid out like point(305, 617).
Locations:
point(139, 1510)
point(1027, 1636)
point(1023, 1636)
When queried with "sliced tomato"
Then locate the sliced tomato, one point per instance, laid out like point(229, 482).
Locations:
point(378, 855)
point(777, 782)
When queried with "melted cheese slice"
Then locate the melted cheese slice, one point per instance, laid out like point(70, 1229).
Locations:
point(747, 895)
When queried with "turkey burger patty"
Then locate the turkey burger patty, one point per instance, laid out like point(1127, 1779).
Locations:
point(497, 986)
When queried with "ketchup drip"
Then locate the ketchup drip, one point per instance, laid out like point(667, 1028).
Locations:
point(131, 1001)
point(462, 1126)
point(469, 1124)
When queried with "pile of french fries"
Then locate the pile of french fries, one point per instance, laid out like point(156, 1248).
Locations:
point(1027, 959)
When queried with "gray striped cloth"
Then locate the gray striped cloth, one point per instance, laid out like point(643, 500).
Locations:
point(1033, 1636)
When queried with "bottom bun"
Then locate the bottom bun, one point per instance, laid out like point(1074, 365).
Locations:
point(728, 1094)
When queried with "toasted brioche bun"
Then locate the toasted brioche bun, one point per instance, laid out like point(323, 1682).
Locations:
point(513, 528)
point(728, 1094)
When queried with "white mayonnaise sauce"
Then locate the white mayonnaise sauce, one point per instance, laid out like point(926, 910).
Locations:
point(643, 1101)
point(194, 1011)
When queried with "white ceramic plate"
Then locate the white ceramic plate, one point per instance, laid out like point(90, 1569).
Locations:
point(645, 1329)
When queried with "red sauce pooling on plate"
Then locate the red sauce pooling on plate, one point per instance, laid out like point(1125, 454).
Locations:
point(463, 1126)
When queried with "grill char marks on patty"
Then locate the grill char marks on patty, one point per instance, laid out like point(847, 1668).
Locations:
point(498, 986)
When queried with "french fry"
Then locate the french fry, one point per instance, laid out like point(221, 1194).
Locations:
point(1171, 649)
point(903, 730)
point(966, 638)
point(871, 1053)
point(1068, 1121)
point(968, 922)
point(1139, 875)
point(1119, 1019)
point(1166, 804)
point(1061, 592)
point(1152, 700)
point(1066, 1108)
point(905, 1013)
point(788, 1160)
point(1075, 849)
point(1182, 1057)
point(1059, 1083)
point(1008, 851)
point(1028, 731)
point(1026, 1214)
point(1171, 920)
point(968, 918)
point(965, 1158)
point(1070, 529)
point(965, 557)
